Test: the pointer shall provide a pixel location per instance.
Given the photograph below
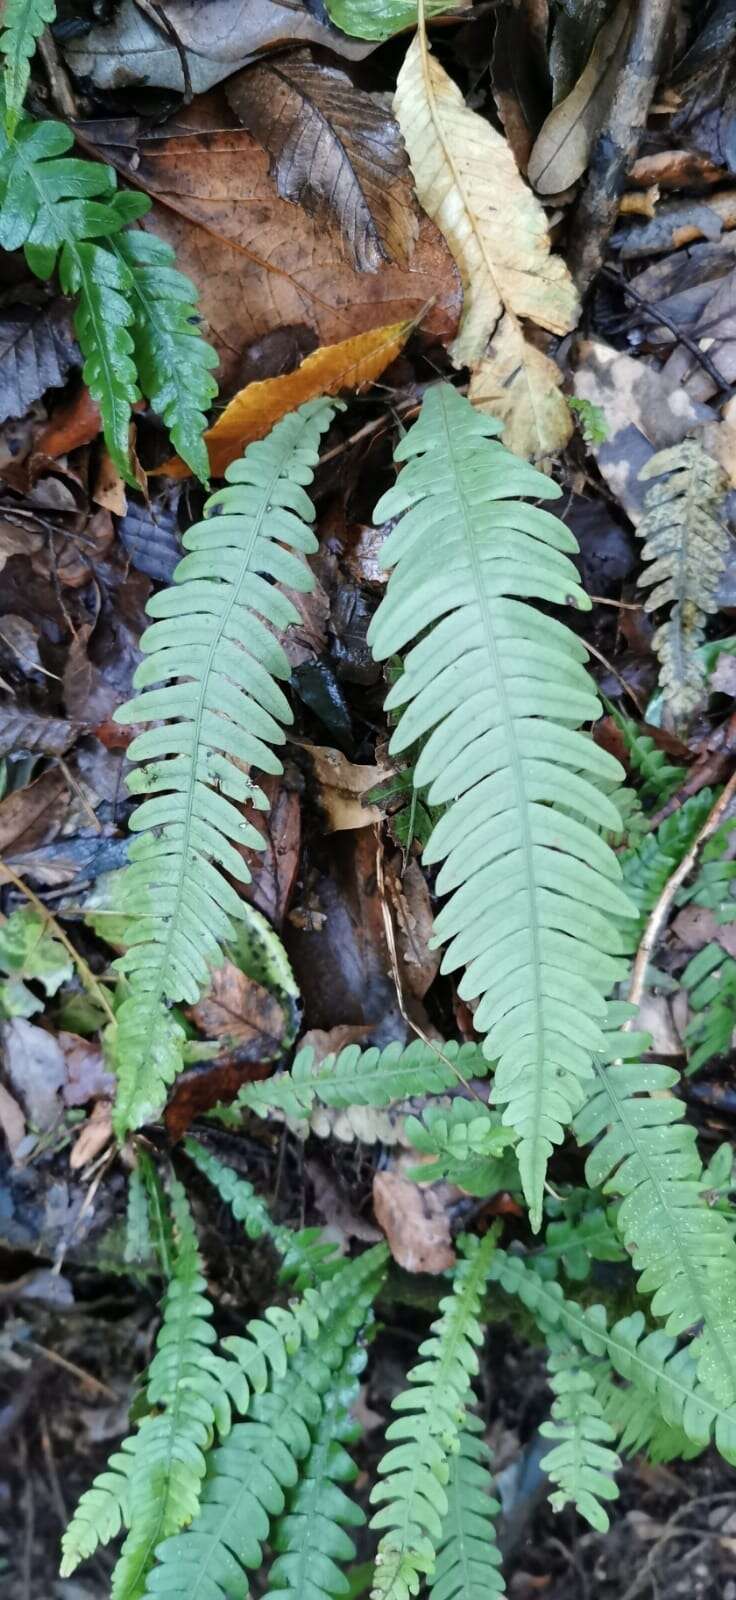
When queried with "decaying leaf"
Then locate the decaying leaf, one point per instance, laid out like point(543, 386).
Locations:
point(563, 147)
point(252, 413)
point(274, 869)
point(415, 1221)
point(468, 182)
point(520, 74)
point(686, 541)
point(25, 730)
point(341, 786)
point(218, 37)
point(258, 261)
point(335, 150)
point(94, 1134)
point(37, 351)
point(241, 1012)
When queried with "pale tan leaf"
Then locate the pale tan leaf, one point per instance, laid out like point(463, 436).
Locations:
point(341, 786)
point(469, 184)
point(563, 145)
point(521, 386)
point(415, 1221)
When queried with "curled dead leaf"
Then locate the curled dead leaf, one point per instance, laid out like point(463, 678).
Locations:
point(415, 1222)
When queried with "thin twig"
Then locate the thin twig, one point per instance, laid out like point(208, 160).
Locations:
point(77, 1372)
point(94, 989)
point(658, 917)
point(680, 334)
point(617, 675)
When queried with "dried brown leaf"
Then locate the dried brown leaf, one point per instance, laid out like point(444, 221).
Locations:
point(415, 1222)
point(561, 151)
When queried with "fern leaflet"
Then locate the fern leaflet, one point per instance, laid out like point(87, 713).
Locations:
point(658, 777)
point(686, 542)
point(415, 1469)
point(710, 980)
point(470, 1144)
point(683, 1248)
point(582, 1460)
point(503, 688)
point(22, 25)
point(468, 1558)
point(307, 1258)
point(212, 651)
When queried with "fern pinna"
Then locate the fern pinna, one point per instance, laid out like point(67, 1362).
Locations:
point(503, 689)
point(212, 669)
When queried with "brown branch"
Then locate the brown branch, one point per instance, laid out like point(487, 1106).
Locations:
point(660, 912)
point(618, 141)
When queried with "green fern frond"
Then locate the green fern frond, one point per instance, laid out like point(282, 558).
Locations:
point(138, 1247)
point(650, 1362)
point(582, 1461)
point(307, 1258)
point(247, 1476)
point(211, 668)
point(682, 1248)
point(23, 23)
point(710, 981)
point(713, 883)
point(470, 1144)
point(686, 541)
point(585, 1232)
point(174, 362)
point(468, 1558)
point(415, 1471)
point(355, 1077)
point(636, 1419)
point(657, 776)
point(102, 1510)
point(648, 867)
point(503, 689)
point(309, 1538)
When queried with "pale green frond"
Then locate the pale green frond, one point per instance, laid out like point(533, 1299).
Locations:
point(499, 690)
point(355, 1077)
point(471, 1145)
point(414, 1471)
point(102, 1510)
point(210, 692)
point(468, 1558)
point(582, 1463)
point(683, 1249)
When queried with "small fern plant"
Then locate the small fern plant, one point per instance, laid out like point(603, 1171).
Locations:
point(135, 315)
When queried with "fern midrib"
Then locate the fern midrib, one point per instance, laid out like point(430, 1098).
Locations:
point(519, 788)
point(156, 991)
point(698, 1286)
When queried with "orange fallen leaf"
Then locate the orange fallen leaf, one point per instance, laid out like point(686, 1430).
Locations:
point(253, 411)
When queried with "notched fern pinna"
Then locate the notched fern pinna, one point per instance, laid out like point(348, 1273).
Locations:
point(211, 690)
point(498, 690)
point(686, 543)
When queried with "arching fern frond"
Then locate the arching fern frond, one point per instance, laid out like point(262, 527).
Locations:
point(647, 867)
point(503, 689)
point(470, 1144)
point(211, 668)
point(656, 776)
point(710, 981)
point(415, 1470)
point(686, 541)
point(307, 1257)
point(355, 1077)
point(582, 1461)
point(248, 1475)
point(102, 1510)
point(309, 1538)
point(23, 23)
point(468, 1558)
point(650, 1362)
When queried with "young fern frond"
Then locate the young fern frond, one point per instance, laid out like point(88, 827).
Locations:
point(710, 981)
point(415, 1470)
point(503, 689)
point(211, 668)
point(657, 777)
point(649, 865)
point(683, 1248)
point(582, 1461)
point(247, 1476)
point(23, 23)
point(650, 1362)
point(468, 1558)
point(686, 541)
point(102, 1510)
point(471, 1146)
point(307, 1258)
point(309, 1538)
point(355, 1077)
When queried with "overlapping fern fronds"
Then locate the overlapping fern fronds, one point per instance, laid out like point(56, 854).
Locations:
point(355, 1077)
point(414, 1471)
point(501, 690)
point(468, 1558)
point(212, 668)
point(134, 317)
point(470, 1145)
point(686, 543)
point(582, 1461)
point(307, 1258)
point(683, 1249)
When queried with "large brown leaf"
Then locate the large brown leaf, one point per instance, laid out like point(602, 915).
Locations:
point(259, 262)
point(335, 150)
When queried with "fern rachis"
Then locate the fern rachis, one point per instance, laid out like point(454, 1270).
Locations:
point(533, 887)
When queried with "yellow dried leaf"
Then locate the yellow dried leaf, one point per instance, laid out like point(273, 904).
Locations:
point(468, 182)
point(255, 409)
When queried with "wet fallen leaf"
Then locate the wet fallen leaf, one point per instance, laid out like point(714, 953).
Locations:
point(676, 223)
point(12, 1120)
point(562, 150)
point(34, 814)
point(274, 869)
point(74, 423)
point(87, 1077)
point(520, 75)
point(342, 1221)
point(415, 1222)
point(110, 489)
point(340, 786)
point(252, 413)
point(470, 185)
point(149, 533)
point(335, 150)
point(94, 1134)
point(34, 1061)
point(674, 169)
point(411, 910)
point(241, 1012)
point(218, 38)
point(208, 1084)
point(259, 262)
point(37, 351)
